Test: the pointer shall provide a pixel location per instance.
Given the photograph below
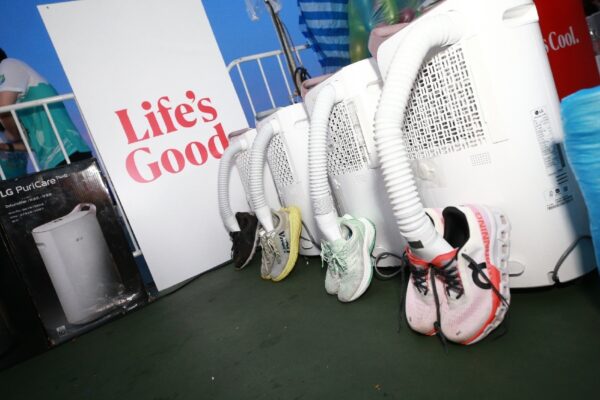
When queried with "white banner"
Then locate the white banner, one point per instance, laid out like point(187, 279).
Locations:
point(157, 98)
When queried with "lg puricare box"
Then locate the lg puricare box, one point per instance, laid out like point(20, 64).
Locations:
point(64, 240)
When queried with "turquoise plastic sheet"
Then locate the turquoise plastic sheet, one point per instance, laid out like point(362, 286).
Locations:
point(581, 120)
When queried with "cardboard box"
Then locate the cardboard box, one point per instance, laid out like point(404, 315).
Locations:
point(65, 242)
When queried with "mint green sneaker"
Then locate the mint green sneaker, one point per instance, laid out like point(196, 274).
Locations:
point(349, 264)
point(334, 255)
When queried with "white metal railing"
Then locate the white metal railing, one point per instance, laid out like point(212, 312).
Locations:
point(258, 59)
point(14, 108)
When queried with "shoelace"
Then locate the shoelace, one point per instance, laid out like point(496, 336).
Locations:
point(449, 274)
point(419, 276)
point(437, 325)
point(336, 261)
point(478, 268)
point(420, 279)
point(269, 246)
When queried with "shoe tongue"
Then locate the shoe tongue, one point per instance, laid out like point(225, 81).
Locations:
point(338, 245)
point(276, 220)
point(443, 259)
point(241, 218)
point(415, 260)
point(346, 230)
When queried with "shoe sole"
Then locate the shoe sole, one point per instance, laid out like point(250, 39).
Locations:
point(368, 273)
point(499, 249)
point(265, 277)
point(295, 231)
point(254, 246)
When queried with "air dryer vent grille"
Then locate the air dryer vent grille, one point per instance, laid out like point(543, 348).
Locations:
point(344, 152)
point(443, 115)
point(242, 161)
point(481, 159)
point(279, 162)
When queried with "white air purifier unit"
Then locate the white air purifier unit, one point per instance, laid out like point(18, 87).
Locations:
point(352, 164)
point(470, 95)
point(283, 137)
point(79, 263)
point(238, 154)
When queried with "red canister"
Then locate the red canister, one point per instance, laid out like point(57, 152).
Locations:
point(568, 44)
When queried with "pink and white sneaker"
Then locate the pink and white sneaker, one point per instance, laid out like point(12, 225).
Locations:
point(420, 307)
point(476, 289)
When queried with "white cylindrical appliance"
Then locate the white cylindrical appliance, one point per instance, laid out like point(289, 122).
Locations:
point(79, 263)
point(482, 125)
point(242, 163)
point(238, 153)
point(353, 166)
point(287, 157)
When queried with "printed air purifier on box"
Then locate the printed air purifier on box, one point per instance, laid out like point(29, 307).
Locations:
point(79, 263)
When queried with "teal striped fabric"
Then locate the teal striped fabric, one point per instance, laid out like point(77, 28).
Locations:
point(324, 23)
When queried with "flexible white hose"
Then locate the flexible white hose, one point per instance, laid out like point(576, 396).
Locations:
point(413, 223)
point(256, 174)
point(320, 193)
point(225, 166)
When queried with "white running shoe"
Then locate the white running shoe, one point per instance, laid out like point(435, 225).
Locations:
point(476, 284)
point(420, 307)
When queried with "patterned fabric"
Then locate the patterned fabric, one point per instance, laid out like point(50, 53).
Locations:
point(325, 25)
point(16, 76)
point(40, 132)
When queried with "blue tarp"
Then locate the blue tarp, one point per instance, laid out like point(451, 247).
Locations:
point(325, 25)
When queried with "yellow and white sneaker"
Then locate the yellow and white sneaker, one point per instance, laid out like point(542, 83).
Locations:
point(281, 245)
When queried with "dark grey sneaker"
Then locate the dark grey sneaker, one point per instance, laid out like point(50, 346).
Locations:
point(245, 240)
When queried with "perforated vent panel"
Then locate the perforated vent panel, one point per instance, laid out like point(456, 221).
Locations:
point(443, 115)
point(481, 159)
point(345, 151)
point(242, 161)
point(279, 162)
